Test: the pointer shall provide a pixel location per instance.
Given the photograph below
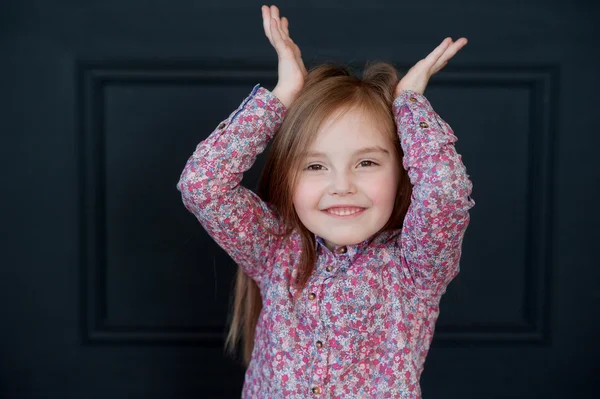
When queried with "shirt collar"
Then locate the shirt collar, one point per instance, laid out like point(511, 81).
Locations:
point(354, 248)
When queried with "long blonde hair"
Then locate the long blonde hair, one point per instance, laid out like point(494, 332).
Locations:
point(327, 89)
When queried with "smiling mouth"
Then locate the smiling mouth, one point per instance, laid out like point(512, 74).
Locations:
point(344, 211)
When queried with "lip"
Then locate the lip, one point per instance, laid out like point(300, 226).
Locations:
point(353, 215)
point(343, 206)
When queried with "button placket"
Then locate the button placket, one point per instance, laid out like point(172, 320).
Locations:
point(317, 371)
point(343, 258)
point(314, 305)
point(320, 356)
point(338, 255)
point(341, 250)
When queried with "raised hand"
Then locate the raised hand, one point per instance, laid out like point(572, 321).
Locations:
point(417, 77)
point(291, 70)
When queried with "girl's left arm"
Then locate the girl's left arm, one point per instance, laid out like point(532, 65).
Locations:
point(434, 226)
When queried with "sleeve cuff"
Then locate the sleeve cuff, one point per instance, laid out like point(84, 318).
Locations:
point(271, 98)
point(421, 109)
point(411, 97)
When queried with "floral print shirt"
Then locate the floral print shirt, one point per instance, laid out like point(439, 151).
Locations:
point(363, 325)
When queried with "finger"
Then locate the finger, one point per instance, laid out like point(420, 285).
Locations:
point(285, 25)
point(275, 12)
point(284, 35)
point(266, 16)
point(450, 52)
point(441, 60)
point(298, 55)
point(295, 48)
point(277, 39)
point(453, 49)
point(435, 55)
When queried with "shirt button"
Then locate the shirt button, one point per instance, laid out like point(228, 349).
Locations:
point(423, 124)
point(312, 296)
point(222, 125)
point(414, 100)
point(329, 268)
point(319, 344)
point(341, 250)
point(316, 390)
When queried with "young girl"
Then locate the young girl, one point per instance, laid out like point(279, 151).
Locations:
point(354, 234)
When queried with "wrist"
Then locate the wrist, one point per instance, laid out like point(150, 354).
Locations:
point(286, 97)
point(403, 88)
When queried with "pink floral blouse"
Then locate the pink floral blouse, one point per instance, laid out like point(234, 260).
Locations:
point(363, 325)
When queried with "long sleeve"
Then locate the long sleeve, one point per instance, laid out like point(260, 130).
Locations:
point(210, 183)
point(438, 216)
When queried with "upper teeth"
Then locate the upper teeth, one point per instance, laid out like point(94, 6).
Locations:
point(344, 211)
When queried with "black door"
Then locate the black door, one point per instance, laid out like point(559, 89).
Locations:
point(110, 288)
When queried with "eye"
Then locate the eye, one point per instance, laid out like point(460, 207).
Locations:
point(371, 162)
point(310, 167)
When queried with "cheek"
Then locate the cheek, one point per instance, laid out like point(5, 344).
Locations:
point(306, 195)
point(382, 189)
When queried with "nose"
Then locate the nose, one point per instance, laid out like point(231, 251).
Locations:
point(341, 184)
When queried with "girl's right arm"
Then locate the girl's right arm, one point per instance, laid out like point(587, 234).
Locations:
point(210, 182)
point(235, 217)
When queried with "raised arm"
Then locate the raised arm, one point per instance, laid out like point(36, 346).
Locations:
point(434, 226)
point(235, 217)
point(438, 216)
point(210, 183)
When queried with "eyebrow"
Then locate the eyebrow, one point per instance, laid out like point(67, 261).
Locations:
point(362, 151)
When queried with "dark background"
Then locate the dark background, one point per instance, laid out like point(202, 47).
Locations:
point(109, 287)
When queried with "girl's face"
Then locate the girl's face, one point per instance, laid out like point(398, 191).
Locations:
point(347, 182)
